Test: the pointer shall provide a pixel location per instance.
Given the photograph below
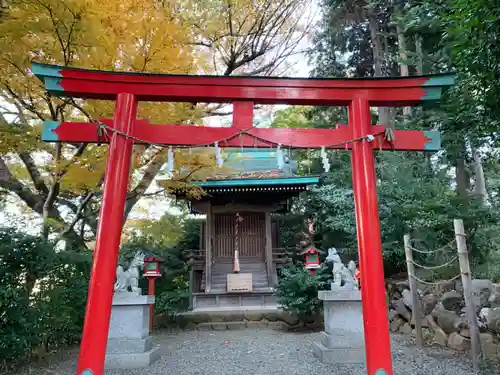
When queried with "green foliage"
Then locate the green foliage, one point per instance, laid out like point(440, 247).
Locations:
point(172, 288)
point(42, 296)
point(292, 117)
point(175, 298)
point(418, 193)
point(297, 291)
point(290, 227)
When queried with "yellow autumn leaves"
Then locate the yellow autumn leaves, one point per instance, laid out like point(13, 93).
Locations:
point(125, 35)
point(168, 36)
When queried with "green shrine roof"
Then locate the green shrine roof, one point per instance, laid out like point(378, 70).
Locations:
point(256, 167)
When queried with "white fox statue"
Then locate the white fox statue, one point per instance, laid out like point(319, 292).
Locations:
point(130, 278)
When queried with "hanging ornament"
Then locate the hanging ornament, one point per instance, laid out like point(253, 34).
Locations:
point(324, 160)
point(280, 158)
point(218, 155)
point(170, 161)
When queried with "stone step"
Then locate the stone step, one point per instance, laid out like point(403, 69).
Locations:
point(255, 276)
point(243, 267)
point(254, 280)
point(223, 326)
point(221, 270)
point(217, 299)
point(223, 287)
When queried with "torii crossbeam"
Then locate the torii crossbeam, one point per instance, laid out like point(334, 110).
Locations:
point(244, 92)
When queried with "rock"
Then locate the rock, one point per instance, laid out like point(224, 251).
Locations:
point(481, 292)
point(271, 316)
point(205, 326)
point(446, 286)
point(447, 320)
point(218, 326)
point(493, 320)
point(401, 309)
point(289, 318)
point(453, 301)
point(229, 316)
point(235, 325)
point(253, 315)
point(396, 323)
point(440, 337)
point(190, 326)
point(429, 302)
point(458, 342)
point(407, 298)
point(494, 299)
point(402, 285)
point(406, 329)
point(465, 332)
point(483, 317)
point(423, 322)
point(489, 345)
point(276, 325)
point(392, 314)
point(256, 324)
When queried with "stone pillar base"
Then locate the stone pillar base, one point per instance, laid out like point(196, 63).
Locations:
point(343, 340)
point(131, 360)
point(129, 342)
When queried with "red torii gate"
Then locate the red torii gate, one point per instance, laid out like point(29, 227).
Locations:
point(127, 89)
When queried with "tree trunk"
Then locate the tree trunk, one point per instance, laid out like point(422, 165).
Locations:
point(30, 282)
point(479, 180)
point(420, 55)
point(462, 178)
point(403, 55)
point(378, 62)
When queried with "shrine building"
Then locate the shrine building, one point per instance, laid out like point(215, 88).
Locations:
point(239, 207)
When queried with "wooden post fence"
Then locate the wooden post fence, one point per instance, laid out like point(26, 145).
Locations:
point(416, 310)
point(467, 285)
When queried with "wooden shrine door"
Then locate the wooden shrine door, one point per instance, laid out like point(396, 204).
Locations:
point(252, 237)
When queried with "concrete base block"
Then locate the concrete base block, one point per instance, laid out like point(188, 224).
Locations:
point(131, 360)
point(343, 339)
point(129, 343)
point(338, 355)
point(125, 345)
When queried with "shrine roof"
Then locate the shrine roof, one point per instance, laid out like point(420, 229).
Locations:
point(260, 182)
point(256, 167)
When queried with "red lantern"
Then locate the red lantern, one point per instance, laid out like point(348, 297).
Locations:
point(151, 272)
point(311, 259)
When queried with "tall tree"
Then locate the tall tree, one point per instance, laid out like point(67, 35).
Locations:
point(62, 183)
point(125, 35)
point(415, 191)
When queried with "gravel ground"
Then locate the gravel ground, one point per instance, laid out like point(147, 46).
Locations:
point(266, 352)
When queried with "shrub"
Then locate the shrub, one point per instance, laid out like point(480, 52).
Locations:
point(42, 296)
point(175, 299)
point(297, 292)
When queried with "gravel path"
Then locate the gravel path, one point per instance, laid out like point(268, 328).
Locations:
point(267, 352)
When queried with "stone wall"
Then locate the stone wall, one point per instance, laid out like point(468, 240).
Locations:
point(222, 320)
point(444, 318)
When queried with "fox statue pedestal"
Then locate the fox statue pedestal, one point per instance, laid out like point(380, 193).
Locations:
point(343, 340)
point(129, 342)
